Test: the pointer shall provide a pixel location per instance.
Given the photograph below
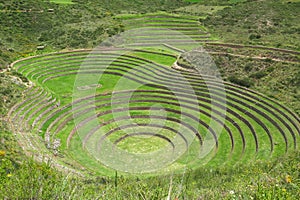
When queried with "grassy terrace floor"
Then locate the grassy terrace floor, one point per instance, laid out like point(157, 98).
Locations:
point(137, 86)
point(62, 1)
point(182, 31)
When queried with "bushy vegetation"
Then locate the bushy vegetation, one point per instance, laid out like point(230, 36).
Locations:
point(242, 81)
point(25, 25)
point(269, 23)
point(279, 80)
point(10, 92)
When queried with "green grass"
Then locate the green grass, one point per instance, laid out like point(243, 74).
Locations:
point(278, 179)
point(160, 59)
point(159, 13)
point(63, 87)
point(62, 1)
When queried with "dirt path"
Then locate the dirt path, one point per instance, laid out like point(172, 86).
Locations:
point(252, 57)
point(230, 45)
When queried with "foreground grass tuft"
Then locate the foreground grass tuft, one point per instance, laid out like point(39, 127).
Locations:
point(278, 179)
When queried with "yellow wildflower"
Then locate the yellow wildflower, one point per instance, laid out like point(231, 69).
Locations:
point(288, 179)
point(284, 190)
point(9, 175)
point(2, 153)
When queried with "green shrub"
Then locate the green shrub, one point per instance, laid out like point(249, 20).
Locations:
point(259, 74)
point(248, 67)
point(245, 82)
point(254, 36)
